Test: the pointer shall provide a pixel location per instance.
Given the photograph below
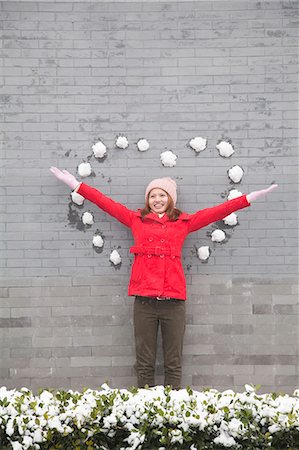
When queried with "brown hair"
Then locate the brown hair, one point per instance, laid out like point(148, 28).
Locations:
point(172, 212)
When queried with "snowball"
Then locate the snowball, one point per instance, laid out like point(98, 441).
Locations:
point(218, 236)
point(198, 144)
point(84, 169)
point(231, 220)
point(115, 257)
point(77, 198)
point(235, 173)
point(87, 218)
point(97, 240)
point(225, 149)
point(122, 142)
point(142, 145)
point(234, 193)
point(168, 158)
point(99, 149)
point(203, 252)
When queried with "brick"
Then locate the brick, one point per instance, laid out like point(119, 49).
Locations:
point(15, 322)
point(90, 362)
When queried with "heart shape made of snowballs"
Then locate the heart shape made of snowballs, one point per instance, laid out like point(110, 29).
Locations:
point(168, 159)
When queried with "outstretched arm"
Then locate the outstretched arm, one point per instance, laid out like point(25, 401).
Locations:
point(115, 209)
point(206, 216)
point(209, 215)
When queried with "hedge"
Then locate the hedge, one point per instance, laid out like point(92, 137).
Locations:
point(154, 418)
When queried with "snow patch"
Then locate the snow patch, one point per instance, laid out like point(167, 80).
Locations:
point(203, 252)
point(84, 169)
point(87, 218)
point(143, 145)
point(224, 439)
point(225, 149)
point(77, 198)
point(231, 220)
point(99, 149)
point(97, 240)
point(168, 158)
point(198, 144)
point(234, 193)
point(218, 236)
point(122, 142)
point(235, 173)
point(115, 257)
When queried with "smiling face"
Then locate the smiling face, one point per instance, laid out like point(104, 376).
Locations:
point(158, 200)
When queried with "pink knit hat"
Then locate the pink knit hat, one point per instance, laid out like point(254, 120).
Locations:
point(167, 184)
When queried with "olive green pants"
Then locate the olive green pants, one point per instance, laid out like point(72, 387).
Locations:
point(148, 314)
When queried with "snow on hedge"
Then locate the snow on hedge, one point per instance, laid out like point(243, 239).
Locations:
point(155, 418)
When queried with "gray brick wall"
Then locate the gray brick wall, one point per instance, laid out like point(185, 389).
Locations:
point(74, 72)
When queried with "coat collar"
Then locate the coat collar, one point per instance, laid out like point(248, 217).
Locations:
point(165, 218)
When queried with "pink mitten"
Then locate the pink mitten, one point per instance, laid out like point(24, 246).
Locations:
point(65, 177)
point(256, 194)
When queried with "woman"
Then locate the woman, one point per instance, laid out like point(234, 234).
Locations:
point(157, 278)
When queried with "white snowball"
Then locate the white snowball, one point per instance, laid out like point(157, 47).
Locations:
point(142, 145)
point(87, 218)
point(225, 149)
point(122, 142)
point(231, 220)
point(203, 252)
point(84, 169)
point(168, 159)
point(97, 240)
point(198, 144)
point(115, 257)
point(234, 193)
point(235, 173)
point(218, 236)
point(99, 149)
point(77, 198)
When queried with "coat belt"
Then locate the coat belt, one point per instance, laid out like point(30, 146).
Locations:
point(157, 251)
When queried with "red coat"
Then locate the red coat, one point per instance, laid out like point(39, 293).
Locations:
point(157, 270)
